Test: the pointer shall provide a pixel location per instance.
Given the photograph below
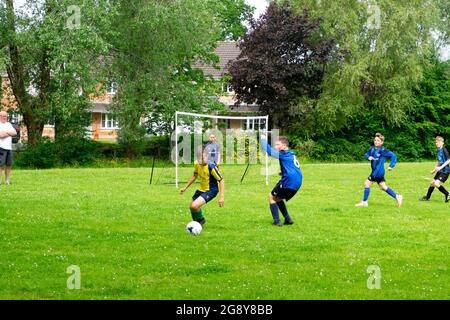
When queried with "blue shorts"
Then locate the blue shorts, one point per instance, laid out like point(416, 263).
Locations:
point(207, 195)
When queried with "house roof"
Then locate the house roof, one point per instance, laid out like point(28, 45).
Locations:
point(227, 51)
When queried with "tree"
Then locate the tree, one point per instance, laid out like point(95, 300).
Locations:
point(388, 43)
point(152, 51)
point(51, 60)
point(282, 60)
point(233, 15)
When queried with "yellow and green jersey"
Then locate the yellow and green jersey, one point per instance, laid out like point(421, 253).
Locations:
point(209, 175)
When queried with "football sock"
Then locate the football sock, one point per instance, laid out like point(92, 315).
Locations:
point(366, 194)
point(274, 211)
point(391, 192)
point(430, 191)
point(284, 211)
point(442, 189)
point(197, 216)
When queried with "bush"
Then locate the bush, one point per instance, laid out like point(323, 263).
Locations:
point(157, 146)
point(75, 151)
point(83, 152)
point(40, 156)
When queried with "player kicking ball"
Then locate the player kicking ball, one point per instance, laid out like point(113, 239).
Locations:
point(377, 156)
point(211, 184)
point(291, 179)
point(442, 171)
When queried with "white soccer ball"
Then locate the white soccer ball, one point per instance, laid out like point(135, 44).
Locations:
point(194, 228)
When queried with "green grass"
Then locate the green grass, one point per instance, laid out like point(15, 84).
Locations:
point(128, 237)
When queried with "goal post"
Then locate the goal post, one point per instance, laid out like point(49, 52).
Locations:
point(217, 117)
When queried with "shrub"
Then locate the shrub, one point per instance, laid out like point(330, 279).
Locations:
point(40, 156)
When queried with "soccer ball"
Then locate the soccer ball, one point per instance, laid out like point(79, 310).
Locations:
point(194, 228)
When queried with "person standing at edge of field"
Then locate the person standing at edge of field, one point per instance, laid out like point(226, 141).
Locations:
point(213, 150)
point(7, 131)
point(377, 156)
point(291, 179)
point(442, 171)
point(211, 184)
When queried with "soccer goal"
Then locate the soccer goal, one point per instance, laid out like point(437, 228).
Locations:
point(240, 134)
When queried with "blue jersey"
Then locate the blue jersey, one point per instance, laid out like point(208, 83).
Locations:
point(291, 175)
point(379, 158)
point(443, 157)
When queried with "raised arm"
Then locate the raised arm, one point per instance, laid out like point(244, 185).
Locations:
point(267, 148)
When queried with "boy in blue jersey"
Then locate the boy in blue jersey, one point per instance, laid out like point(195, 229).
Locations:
point(291, 179)
point(442, 171)
point(211, 184)
point(377, 156)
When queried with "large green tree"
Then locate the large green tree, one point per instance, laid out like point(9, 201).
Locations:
point(152, 51)
point(234, 16)
point(51, 50)
point(387, 44)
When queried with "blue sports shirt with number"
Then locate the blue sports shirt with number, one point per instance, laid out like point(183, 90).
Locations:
point(291, 175)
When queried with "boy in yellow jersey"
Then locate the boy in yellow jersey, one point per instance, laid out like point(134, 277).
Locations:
point(211, 184)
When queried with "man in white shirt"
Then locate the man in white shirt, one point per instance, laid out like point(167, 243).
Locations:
point(7, 131)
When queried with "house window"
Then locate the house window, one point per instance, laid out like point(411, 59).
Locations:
point(227, 88)
point(109, 122)
point(112, 88)
point(254, 124)
point(14, 117)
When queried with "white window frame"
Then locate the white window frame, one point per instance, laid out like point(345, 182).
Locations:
point(108, 122)
point(111, 89)
point(227, 88)
point(254, 124)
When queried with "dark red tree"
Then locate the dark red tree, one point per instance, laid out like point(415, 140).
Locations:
point(282, 58)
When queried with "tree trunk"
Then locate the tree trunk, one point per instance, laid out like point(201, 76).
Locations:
point(28, 106)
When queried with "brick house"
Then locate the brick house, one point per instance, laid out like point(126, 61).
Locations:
point(228, 51)
point(105, 127)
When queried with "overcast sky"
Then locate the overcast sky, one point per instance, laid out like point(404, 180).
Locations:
point(260, 6)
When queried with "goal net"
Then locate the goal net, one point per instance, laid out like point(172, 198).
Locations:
point(228, 140)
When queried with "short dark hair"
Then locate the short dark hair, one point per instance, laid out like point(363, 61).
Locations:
point(379, 135)
point(284, 140)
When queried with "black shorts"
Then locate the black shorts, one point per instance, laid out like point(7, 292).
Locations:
point(207, 195)
point(441, 176)
point(6, 158)
point(376, 179)
point(283, 193)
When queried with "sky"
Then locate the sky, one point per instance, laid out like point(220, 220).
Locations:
point(260, 6)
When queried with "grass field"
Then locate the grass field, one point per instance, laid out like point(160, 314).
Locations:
point(128, 237)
